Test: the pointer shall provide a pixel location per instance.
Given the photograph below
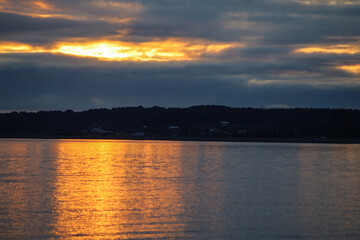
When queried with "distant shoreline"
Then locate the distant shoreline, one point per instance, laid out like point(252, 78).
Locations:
point(197, 123)
point(199, 139)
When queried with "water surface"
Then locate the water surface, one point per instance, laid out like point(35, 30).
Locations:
point(102, 189)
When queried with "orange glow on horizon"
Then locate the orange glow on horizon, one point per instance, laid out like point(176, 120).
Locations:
point(334, 49)
point(355, 69)
point(168, 50)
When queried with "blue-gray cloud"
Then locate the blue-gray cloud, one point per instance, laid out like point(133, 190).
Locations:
point(20, 28)
point(82, 88)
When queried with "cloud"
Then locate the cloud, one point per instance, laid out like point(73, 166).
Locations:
point(27, 29)
point(79, 10)
point(355, 69)
point(164, 50)
point(89, 53)
point(172, 85)
point(332, 49)
point(328, 2)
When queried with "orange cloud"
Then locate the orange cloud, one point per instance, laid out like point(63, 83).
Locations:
point(13, 47)
point(26, 6)
point(38, 8)
point(111, 11)
point(166, 50)
point(327, 2)
point(355, 69)
point(131, 6)
point(41, 15)
point(43, 5)
point(333, 49)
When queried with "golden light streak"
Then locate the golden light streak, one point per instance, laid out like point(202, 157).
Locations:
point(34, 9)
point(109, 51)
point(11, 47)
point(24, 7)
point(168, 50)
point(111, 11)
point(327, 2)
point(355, 69)
point(133, 7)
point(39, 15)
point(333, 49)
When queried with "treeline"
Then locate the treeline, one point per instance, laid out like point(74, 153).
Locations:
point(214, 121)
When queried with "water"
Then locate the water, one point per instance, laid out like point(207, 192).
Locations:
point(98, 189)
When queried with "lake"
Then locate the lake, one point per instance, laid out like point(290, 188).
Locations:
point(117, 189)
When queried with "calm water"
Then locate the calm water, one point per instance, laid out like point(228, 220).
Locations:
point(96, 189)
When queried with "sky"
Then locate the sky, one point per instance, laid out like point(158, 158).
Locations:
point(83, 54)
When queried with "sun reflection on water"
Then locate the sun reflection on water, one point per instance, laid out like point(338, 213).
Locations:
point(107, 189)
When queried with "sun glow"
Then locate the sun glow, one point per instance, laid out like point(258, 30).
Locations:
point(109, 51)
point(333, 49)
point(168, 50)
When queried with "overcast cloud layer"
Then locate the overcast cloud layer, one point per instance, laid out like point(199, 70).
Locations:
point(97, 53)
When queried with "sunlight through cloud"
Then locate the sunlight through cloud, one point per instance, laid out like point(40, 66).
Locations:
point(168, 50)
point(355, 69)
point(334, 49)
point(328, 2)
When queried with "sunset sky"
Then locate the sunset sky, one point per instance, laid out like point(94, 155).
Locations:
point(82, 54)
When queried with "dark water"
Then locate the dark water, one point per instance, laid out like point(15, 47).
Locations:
point(95, 189)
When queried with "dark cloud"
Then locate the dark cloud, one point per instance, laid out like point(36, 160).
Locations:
point(307, 30)
point(86, 87)
point(42, 30)
point(20, 23)
point(277, 22)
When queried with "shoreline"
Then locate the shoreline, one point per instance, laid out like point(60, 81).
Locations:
point(198, 139)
